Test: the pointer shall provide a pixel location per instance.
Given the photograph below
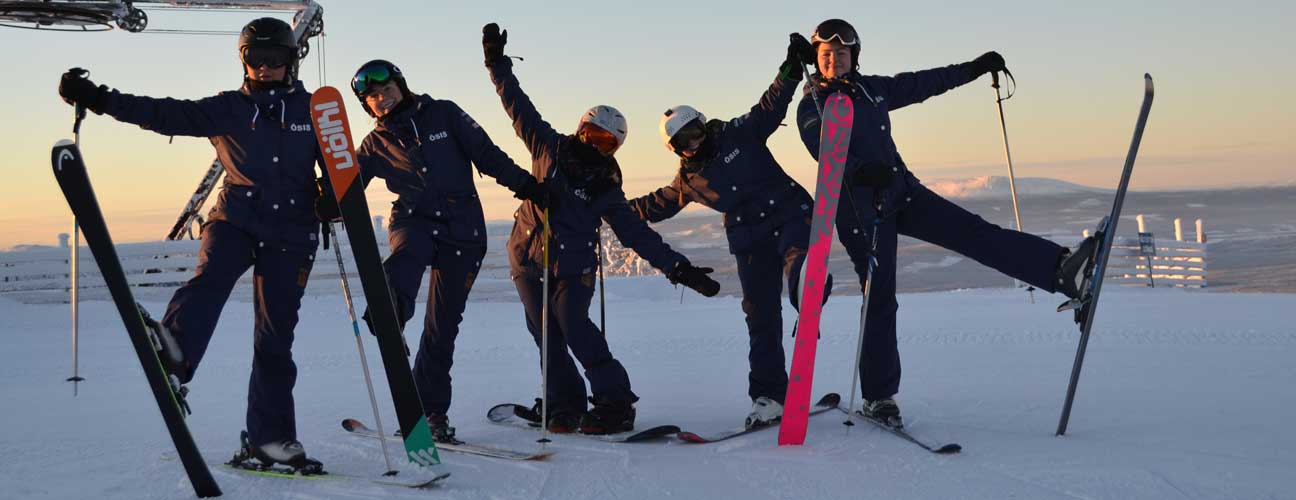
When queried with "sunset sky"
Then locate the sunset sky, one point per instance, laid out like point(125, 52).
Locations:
point(1222, 114)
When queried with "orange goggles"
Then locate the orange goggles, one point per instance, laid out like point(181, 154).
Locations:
point(599, 138)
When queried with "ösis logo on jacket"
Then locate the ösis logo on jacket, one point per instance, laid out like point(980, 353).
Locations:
point(299, 127)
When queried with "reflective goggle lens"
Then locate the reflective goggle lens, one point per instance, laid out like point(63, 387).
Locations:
point(834, 32)
point(366, 78)
point(691, 132)
point(271, 57)
point(599, 138)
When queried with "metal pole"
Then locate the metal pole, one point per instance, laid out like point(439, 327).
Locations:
point(1012, 178)
point(364, 360)
point(544, 337)
point(859, 347)
point(602, 300)
point(79, 114)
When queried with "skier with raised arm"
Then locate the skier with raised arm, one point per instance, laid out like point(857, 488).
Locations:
point(877, 185)
point(586, 182)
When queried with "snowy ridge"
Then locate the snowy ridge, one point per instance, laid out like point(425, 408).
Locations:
point(995, 187)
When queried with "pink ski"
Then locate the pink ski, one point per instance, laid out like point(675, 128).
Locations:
point(834, 140)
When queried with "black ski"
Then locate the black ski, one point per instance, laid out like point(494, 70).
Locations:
point(826, 403)
point(516, 415)
point(281, 472)
point(70, 171)
point(358, 428)
point(334, 135)
point(1086, 306)
point(943, 449)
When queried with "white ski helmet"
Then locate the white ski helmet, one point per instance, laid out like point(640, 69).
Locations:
point(675, 119)
point(607, 118)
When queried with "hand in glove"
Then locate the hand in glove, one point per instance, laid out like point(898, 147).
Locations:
point(493, 41)
point(799, 53)
point(326, 207)
point(76, 89)
point(542, 194)
point(695, 277)
point(988, 62)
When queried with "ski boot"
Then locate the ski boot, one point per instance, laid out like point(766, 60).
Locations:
point(170, 355)
point(283, 457)
point(1076, 273)
point(765, 412)
point(562, 419)
point(442, 433)
point(608, 417)
point(884, 411)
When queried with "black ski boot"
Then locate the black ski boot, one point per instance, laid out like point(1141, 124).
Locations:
point(608, 417)
point(439, 424)
point(172, 357)
point(289, 453)
point(563, 419)
point(885, 411)
point(1076, 267)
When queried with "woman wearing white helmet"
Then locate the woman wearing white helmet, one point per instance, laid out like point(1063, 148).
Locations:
point(726, 165)
point(587, 184)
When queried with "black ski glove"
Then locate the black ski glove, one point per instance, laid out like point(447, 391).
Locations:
point(75, 88)
point(695, 278)
point(799, 53)
point(326, 207)
point(988, 62)
point(493, 41)
point(542, 194)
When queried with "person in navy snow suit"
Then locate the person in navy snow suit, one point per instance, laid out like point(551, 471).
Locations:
point(882, 199)
point(425, 150)
point(726, 165)
point(263, 219)
point(586, 182)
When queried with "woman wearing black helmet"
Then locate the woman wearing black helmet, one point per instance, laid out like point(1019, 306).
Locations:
point(425, 149)
point(878, 185)
point(262, 219)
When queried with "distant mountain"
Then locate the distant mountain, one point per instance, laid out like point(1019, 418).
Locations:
point(996, 186)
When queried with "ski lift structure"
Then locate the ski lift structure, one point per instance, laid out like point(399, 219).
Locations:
point(132, 16)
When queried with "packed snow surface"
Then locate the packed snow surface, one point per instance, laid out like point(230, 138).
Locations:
point(1184, 394)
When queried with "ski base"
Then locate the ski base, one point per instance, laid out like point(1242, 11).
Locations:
point(358, 428)
point(827, 402)
point(283, 472)
point(944, 449)
point(508, 414)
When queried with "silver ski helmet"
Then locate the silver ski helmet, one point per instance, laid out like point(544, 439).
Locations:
point(837, 30)
point(269, 41)
point(681, 118)
point(608, 132)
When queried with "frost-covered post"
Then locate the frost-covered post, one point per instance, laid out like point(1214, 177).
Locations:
point(1201, 234)
point(1178, 229)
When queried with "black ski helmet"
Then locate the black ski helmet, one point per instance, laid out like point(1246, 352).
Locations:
point(377, 71)
point(271, 33)
point(837, 30)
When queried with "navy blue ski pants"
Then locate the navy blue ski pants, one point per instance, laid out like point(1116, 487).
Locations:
point(418, 243)
point(931, 218)
point(761, 270)
point(278, 281)
point(570, 327)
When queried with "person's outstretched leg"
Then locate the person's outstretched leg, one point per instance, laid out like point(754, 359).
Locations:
point(225, 254)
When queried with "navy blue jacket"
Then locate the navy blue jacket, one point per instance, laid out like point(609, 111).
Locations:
point(576, 221)
point(871, 143)
point(742, 180)
point(425, 151)
point(265, 142)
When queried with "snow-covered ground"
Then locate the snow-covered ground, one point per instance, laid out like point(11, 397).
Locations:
point(1185, 394)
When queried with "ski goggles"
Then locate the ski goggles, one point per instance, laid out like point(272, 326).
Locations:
point(270, 57)
point(599, 138)
point(367, 77)
point(690, 133)
point(835, 32)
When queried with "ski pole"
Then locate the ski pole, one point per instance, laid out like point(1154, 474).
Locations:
point(544, 336)
point(364, 362)
point(602, 300)
point(864, 308)
point(1012, 182)
point(79, 114)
